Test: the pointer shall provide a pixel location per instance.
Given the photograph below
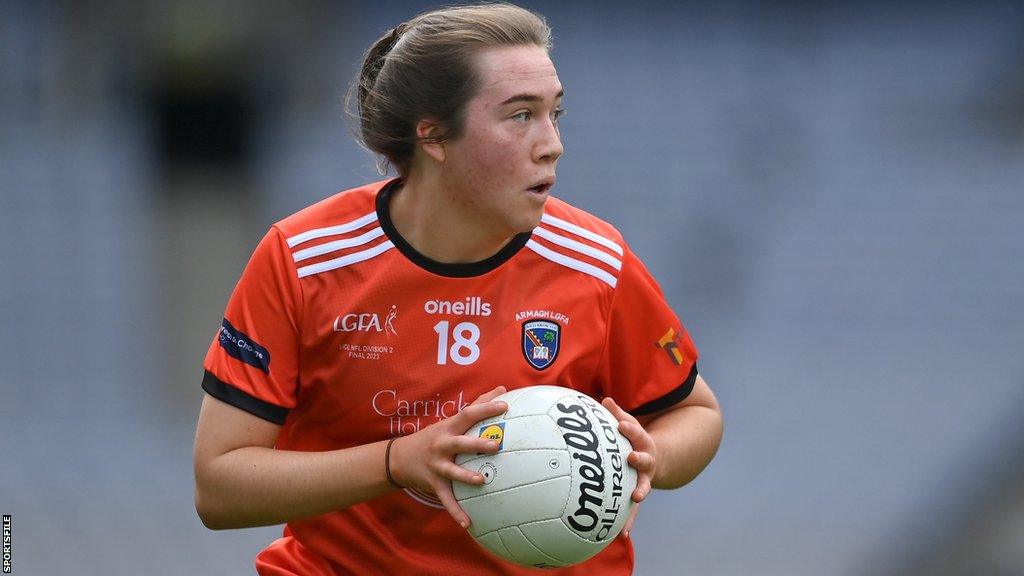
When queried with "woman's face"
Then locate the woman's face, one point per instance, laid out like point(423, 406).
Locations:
point(500, 169)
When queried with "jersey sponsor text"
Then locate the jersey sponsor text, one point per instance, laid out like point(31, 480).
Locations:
point(405, 415)
point(471, 306)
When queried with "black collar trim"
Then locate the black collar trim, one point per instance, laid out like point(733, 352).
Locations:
point(460, 270)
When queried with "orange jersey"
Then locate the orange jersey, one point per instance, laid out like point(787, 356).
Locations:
point(341, 332)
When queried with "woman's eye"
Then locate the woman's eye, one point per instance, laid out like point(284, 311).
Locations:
point(556, 114)
point(524, 116)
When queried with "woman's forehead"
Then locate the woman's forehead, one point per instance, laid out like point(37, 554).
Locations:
point(517, 69)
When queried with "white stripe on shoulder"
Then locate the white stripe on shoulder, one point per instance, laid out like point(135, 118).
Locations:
point(579, 247)
point(570, 227)
point(572, 263)
point(338, 245)
point(345, 260)
point(331, 230)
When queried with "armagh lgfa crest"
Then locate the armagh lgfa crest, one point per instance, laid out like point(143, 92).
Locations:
point(540, 342)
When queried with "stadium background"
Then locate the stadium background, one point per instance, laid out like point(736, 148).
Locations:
point(831, 195)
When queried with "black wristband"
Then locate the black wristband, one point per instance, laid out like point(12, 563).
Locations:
point(387, 464)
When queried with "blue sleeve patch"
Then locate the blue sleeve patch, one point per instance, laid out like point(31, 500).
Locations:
point(238, 345)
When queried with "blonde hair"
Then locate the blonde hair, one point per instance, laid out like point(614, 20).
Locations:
point(423, 68)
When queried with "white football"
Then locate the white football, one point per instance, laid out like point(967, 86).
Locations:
point(558, 490)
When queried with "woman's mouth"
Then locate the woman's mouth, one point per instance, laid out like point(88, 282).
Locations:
point(542, 186)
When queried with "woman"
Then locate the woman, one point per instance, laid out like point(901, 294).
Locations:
point(339, 383)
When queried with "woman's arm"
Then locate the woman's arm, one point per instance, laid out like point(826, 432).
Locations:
point(687, 436)
point(242, 481)
point(672, 446)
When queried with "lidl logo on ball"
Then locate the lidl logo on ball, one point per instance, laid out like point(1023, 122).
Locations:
point(540, 342)
point(494, 432)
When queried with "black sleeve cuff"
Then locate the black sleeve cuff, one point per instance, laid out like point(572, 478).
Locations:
point(674, 397)
point(227, 393)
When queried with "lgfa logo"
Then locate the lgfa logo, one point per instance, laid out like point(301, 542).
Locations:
point(367, 322)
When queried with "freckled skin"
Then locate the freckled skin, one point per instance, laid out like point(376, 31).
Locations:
point(488, 169)
point(464, 199)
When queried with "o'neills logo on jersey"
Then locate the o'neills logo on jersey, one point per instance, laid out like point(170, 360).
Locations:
point(367, 322)
point(595, 448)
point(471, 306)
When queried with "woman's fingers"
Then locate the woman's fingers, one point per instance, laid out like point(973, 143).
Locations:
point(447, 498)
point(474, 413)
point(628, 526)
point(471, 445)
point(643, 479)
point(617, 411)
point(642, 457)
point(456, 473)
point(642, 461)
point(637, 436)
point(433, 463)
point(488, 396)
point(481, 408)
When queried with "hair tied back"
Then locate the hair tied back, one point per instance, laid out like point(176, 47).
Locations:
point(425, 68)
point(396, 34)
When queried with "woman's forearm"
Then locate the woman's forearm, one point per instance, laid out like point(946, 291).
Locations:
point(687, 439)
point(257, 486)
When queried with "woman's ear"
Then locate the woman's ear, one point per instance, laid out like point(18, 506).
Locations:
point(426, 131)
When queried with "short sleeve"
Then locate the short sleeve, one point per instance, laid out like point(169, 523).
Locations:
point(252, 362)
point(649, 360)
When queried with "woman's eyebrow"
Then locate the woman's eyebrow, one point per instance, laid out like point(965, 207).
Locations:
point(527, 97)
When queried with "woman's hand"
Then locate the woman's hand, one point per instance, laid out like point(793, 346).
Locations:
point(426, 460)
point(643, 458)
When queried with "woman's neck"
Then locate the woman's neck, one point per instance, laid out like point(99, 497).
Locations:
point(430, 217)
